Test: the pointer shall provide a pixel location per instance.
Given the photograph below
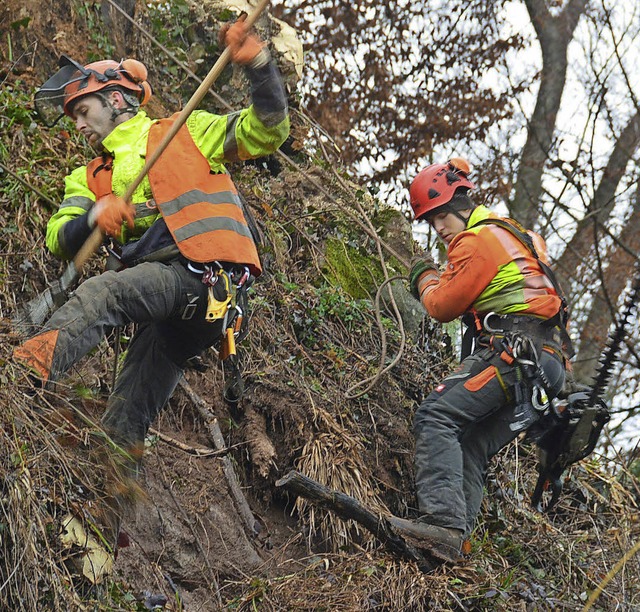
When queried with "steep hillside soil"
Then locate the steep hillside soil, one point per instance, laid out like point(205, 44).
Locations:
point(206, 527)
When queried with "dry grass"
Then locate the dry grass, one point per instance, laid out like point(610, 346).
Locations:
point(49, 469)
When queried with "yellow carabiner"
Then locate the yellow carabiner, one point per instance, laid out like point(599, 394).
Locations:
point(216, 309)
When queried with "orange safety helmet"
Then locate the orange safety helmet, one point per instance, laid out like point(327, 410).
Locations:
point(436, 185)
point(72, 81)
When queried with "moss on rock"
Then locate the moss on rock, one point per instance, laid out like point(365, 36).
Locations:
point(358, 274)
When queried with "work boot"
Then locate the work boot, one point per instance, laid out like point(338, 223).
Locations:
point(443, 542)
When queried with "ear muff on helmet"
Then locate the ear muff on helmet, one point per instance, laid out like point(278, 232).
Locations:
point(437, 184)
point(146, 93)
point(137, 72)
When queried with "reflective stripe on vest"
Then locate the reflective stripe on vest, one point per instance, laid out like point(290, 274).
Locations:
point(201, 210)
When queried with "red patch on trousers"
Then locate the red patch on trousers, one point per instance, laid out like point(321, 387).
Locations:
point(37, 353)
point(480, 380)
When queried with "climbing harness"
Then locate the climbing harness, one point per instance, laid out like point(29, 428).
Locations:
point(518, 348)
point(227, 300)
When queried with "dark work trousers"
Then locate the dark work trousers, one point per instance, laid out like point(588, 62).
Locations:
point(466, 420)
point(154, 295)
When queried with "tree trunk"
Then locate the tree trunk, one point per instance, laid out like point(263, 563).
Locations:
point(620, 263)
point(120, 26)
point(554, 35)
point(578, 249)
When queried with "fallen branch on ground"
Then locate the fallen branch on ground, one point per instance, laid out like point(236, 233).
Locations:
point(192, 450)
point(349, 508)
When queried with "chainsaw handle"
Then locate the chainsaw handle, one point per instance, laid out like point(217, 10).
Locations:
point(546, 479)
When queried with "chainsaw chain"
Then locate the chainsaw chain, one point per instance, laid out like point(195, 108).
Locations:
point(607, 360)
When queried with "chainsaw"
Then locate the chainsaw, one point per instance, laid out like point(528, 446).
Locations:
point(571, 429)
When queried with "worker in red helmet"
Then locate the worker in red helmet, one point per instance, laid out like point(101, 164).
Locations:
point(185, 247)
point(514, 353)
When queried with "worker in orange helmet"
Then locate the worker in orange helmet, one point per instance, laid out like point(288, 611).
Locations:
point(185, 247)
point(515, 351)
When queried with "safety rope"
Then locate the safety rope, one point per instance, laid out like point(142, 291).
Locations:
point(371, 382)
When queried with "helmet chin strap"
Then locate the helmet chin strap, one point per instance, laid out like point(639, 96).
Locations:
point(457, 214)
point(116, 112)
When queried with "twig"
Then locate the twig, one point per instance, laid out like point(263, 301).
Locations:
point(28, 185)
point(242, 506)
point(15, 569)
point(192, 450)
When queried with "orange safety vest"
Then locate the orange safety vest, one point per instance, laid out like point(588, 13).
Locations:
point(202, 210)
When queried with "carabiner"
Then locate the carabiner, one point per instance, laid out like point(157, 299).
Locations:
point(244, 277)
point(487, 327)
point(539, 398)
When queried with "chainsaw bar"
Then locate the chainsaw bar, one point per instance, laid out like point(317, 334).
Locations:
point(614, 340)
point(575, 430)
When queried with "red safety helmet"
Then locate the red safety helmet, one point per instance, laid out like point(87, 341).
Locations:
point(73, 81)
point(436, 185)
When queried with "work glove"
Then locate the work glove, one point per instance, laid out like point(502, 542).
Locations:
point(245, 48)
point(110, 212)
point(420, 265)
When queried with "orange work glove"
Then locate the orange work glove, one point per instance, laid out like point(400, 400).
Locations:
point(243, 46)
point(111, 212)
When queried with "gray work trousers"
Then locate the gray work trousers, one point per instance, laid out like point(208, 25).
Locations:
point(466, 420)
point(157, 296)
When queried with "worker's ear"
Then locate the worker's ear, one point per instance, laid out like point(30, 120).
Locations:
point(117, 99)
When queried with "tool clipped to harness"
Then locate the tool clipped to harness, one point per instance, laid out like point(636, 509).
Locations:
point(221, 292)
point(227, 301)
point(568, 434)
point(531, 399)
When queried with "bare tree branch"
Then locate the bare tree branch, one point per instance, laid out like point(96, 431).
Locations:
point(554, 35)
point(603, 200)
